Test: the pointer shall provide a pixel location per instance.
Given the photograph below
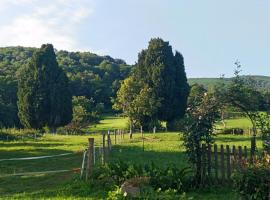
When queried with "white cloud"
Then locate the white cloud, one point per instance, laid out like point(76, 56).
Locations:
point(41, 22)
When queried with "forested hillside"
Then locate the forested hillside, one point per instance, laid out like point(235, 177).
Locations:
point(263, 82)
point(95, 77)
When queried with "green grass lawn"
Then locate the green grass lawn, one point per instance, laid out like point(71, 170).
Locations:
point(161, 148)
point(110, 123)
point(243, 123)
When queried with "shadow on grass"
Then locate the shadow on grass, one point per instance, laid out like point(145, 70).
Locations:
point(136, 154)
point(30, 184)
point(48, 186)
point(232, 139)
point(69, 186)
point(33, 144)
point(31, 152)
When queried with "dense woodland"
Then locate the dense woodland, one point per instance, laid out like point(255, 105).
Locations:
point(95, 77)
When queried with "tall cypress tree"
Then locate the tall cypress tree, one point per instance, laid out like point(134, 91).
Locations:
point(161, 69)
point(44, 98)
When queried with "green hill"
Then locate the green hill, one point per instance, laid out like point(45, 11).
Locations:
point(263, 82)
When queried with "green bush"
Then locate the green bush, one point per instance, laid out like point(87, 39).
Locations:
point(236, 131)
point(253, 182)
point(13, 133)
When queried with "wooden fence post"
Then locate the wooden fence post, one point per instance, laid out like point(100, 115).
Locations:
point(90, 160)
point(114, 132)
point(142, 137)
point(222, 163)
point(103, 148)
point(234, 157)
point(245, 153)
point(240, 156)
point(130, 132)
point(203, 162)
point(216, 161)
point(109, 141)
point(253, 147)
point(209, 150)
point(83, 162)
point(228, 152)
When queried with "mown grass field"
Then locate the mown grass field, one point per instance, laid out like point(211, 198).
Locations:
point(161, 148)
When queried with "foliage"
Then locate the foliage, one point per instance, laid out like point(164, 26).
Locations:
point(263, 82)
point(148, 193)
point(116, 194)
point(194, 99)
point(15, 134)
point(243, 94)
point(196, 95)
point(236, 131)
point(44, 98)
point(8, 102)
point(89, 75)
point(137, 102)
point(158, 88)
point(263, 124)
point(199, 124)
point(163, 179)
point(85, 112)
point(253, 182)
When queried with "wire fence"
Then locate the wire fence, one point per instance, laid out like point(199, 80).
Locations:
point(38, 172)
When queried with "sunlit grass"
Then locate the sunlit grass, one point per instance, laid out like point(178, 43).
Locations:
point(161, 148)
point(110, 123)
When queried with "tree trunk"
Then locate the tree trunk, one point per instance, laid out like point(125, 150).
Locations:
point(222, 119)
point(198, 166)
point(130, 131)
point(52, 130)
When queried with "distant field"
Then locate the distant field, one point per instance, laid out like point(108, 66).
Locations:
point(162, 148)
point(110, 123)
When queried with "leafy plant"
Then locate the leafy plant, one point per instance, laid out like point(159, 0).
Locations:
point(263, 124)
point(164, 179)
point(199, 123)
point(253, 182)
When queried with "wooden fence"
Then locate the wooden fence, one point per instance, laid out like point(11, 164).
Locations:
point(101, 154)
point(219, 163)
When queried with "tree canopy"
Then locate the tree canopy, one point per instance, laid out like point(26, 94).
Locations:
point(90, 75)
point(44, 98)
point(158, 89)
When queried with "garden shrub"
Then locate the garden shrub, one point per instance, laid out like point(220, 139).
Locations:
point(253, 182)
point(169, 178)
point(236, 131)
point(148, 193)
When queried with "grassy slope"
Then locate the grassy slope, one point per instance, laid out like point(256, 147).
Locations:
point(162, 148)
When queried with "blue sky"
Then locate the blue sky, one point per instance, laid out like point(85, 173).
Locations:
point(210, 34)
